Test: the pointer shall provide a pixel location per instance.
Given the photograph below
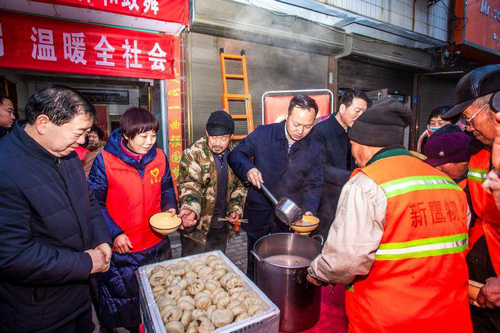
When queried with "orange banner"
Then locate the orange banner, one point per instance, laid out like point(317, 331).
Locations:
point(174, 103)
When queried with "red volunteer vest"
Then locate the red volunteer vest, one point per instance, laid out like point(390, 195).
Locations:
point(81, 152)
point(419, 280)
point(488, 221)
point(131, 199)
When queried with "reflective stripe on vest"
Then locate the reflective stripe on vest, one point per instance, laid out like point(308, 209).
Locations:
point(429, 247)
point(477, 175)
point(418, 183)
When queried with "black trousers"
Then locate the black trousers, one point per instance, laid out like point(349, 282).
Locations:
point(481, 268)
point(81, 324)
point(216, 240)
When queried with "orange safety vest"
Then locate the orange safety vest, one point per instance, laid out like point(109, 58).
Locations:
point(419, 280)
point(132, 199)
point(463, 184)
point(488, 220)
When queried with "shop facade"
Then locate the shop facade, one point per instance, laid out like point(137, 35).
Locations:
point(294, 48)
point(118, 64)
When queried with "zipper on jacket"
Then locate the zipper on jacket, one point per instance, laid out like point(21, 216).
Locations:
point(66, 189)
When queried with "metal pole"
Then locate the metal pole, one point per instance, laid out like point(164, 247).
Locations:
point(164, 115)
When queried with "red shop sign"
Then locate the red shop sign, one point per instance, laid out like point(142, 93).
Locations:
point(36, 43)
point(176, 11)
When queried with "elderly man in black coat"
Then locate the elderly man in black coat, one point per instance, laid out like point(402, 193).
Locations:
point(52, 233)
point(338, 162)
point(288, 161)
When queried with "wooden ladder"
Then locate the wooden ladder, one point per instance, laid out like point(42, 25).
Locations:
point(246, 97)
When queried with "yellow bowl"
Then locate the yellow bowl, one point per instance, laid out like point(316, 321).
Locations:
point(306, 225)
point(164, 223)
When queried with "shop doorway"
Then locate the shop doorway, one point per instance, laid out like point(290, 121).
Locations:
point(375, 95)
point(111, 96)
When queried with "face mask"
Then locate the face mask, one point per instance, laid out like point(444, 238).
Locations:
point(432, 129)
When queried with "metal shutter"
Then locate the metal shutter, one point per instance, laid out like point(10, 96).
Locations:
point(433, 92)
point(360, 75)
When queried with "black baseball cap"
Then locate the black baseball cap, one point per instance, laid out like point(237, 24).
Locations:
point(479, 82)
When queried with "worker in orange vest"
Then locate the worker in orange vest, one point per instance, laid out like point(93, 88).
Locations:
point(399, 235)
point(475, 96)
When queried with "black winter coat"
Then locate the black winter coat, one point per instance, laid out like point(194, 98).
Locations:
point(338, 164)
point(296, 174)
point(48, 218)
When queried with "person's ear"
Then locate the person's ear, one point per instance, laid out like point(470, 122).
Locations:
point(41, 124)
point(342, 109)
point(126, 137)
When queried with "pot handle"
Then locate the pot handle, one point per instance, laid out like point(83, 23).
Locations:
point(321, 239)
point(259, 259)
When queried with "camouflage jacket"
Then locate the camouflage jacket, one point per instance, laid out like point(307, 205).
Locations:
point(197, 188)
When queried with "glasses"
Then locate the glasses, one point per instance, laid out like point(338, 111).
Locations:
point(468, 121)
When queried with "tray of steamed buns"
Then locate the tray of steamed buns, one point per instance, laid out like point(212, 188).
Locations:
point(203, 293)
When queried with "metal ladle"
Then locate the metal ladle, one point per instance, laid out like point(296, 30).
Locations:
point(286, 210)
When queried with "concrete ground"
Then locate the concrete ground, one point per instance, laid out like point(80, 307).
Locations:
point(236, 249)
point(236, 252)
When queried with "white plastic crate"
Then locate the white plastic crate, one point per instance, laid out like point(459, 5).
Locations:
point(266, 322)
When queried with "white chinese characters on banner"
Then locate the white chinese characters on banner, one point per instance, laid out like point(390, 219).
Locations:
point(157, 56)
point(74, 47)
point(44, 49)
point(104, 47)
point(135, 5)
point(151, 5)
point(1, 41)
point(131, 53)
point(131, 4)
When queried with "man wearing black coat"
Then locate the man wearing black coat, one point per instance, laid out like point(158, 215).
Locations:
point(52, 233)
point(338, 162)
point(288, 161)
point(7, 117)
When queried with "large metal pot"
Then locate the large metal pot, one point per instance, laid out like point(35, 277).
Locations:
point(280, 272)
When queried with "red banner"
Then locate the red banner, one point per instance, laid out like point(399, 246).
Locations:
point(36, 43)
point(164, 10)
point(482, 25)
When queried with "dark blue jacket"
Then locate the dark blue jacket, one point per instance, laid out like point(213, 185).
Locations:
point(118, 290)
point(99, 182)
point(297, 174)
point(338, 165)
point(48, 218)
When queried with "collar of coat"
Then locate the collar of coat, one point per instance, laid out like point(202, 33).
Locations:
point(390, 151)
point(30, 146)
point(280, 134)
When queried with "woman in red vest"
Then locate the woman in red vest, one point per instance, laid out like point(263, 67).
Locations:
point(132, 181)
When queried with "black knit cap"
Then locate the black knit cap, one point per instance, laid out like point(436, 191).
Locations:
point(381, 125)
point(220, 123)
